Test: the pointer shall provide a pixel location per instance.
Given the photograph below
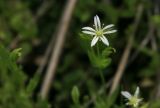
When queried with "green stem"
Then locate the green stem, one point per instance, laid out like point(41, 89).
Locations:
point(135, 107)
point(102, 76)
point(98, 52)
point(100, 71)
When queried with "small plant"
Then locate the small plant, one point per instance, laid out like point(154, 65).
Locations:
point(133, 100)
point(98, 56)
point(75, 96)
point(98, 32)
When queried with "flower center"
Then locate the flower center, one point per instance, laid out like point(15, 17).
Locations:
point(99, 33)
point(133, 101)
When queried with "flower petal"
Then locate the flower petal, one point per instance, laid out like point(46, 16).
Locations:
point(108, 26)
point(88, 28)
point(95, 22)
point(104, 40)
point(135, 105)
point(88, 32)
point(108, 32)
point(139, 100)
point(98, 22)
point(126, 94)
point(136, 92)
point(127, 103)
point(94, 41)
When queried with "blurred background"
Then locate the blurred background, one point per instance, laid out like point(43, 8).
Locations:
point(54, 54)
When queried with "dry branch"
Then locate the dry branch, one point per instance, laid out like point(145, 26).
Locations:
point(144, 42)
point(43, 8)
point(61, 34)
point(126, 53)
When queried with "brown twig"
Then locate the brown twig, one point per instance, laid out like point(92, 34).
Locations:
point(126, 53)
point(43, 8)
point(61, 34)
point(46, 56)
point(144, 42)
point(41, 11)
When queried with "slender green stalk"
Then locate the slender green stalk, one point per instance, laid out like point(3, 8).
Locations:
point(134, 107)
point(102, 76)
point(100, 71)
point(77, 106)
point(98, 52)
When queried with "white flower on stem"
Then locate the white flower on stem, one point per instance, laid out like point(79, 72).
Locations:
point(98, 32)
point(133, 100)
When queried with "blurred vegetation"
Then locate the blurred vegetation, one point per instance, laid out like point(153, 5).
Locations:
point(14, 92)
point(25, 35)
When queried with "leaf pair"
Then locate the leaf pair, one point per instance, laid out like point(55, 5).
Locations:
point(103, 60)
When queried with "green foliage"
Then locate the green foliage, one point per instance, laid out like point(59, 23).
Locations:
point(152, 67)
point(17, 25)
point(13, 91)
point(156, 20)
point(32, 84)
point(103, 60)
point(155, 104)
point(75, 95)
point(82, 11)
point(106, 102)
point(145, 105)
point(21, 29)
point(17, 13)
point(15, 54)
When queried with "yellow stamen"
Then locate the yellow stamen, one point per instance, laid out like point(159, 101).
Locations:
point(99, 33)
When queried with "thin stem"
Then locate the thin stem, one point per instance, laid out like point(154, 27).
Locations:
point(124, 59)
point(77, 105)
point(102, 77)
point(98, 52)
point(100, 71)
point(134, 107)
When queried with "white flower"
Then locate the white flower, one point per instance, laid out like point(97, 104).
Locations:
point(98, 32)
point(133, 100)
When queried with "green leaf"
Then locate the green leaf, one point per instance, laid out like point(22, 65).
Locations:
point(16, 53)
point(33, 84)
point(145, 105)
point(75, 95)
point(108, 51)
point(106, 102)
point(103, 60)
